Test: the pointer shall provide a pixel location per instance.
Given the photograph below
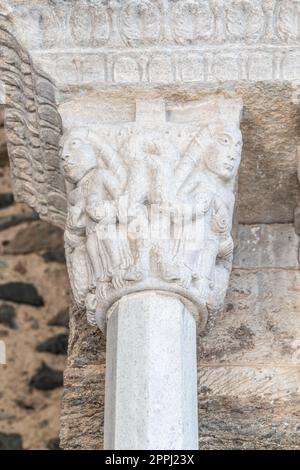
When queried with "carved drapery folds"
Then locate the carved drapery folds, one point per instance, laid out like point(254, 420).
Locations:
point(150, 204)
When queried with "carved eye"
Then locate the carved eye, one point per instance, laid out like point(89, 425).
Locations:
point(224, 139)
point(75, 143)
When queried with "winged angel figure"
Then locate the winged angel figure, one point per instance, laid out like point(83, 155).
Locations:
point(84, 184)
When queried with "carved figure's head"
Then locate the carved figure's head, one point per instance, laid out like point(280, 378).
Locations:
point(222, 151)
point(78, 155)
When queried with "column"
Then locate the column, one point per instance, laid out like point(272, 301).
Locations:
point(151, 375)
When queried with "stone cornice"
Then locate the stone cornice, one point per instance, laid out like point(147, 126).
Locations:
point(161, 42)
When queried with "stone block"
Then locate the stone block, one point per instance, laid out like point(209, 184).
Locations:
point(266, 246)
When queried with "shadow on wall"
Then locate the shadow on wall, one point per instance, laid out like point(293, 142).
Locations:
point(33, 321)
point(3, 149)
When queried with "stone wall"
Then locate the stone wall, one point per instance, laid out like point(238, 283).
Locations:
point(33, 322)
point(248, 362)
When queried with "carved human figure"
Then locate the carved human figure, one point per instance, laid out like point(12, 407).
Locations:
point(111, 189)
point(96, 178)
point(209, 188)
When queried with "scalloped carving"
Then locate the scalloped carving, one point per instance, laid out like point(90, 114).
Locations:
point(139, 23)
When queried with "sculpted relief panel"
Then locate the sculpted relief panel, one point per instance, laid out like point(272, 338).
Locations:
point(152, 22)
point(84, 42)
point(139, 23)
point(149, 183)
point(150, 204)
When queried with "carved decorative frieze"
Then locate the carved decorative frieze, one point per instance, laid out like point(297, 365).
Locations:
point(117, 42)
point(137, 23)
point(150, 203)
point(207, 41)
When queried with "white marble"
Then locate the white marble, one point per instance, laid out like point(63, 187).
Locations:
point(150, 203)
point(151, 375)
point(2, 93)
point(157, 42)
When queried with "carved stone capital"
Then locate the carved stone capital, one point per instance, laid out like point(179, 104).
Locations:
point(150, 202)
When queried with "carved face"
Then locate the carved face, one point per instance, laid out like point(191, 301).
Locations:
point(78, 158)
point(223, 153)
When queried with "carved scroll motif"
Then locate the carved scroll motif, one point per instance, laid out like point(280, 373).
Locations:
point(150, 204)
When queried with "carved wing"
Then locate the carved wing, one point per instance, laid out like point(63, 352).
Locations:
point(33, 128)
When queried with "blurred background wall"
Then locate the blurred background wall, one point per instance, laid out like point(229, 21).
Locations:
point(34, 298)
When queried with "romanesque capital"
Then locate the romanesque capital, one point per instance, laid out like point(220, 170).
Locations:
point(150, 203)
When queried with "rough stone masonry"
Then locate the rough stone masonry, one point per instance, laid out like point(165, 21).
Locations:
point(112, 105)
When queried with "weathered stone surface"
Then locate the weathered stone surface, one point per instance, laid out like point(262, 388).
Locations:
point(268, 165)
point(87, 344)
point(261, 321)
point(36, 237)
point(268, 186)
point(21, 292)
point(82, 419)
point(10, 441)
point(32, 126)
point(270, 383)
point(249, 374)
point(253, 423)
point(25, 404)
point(83, 408)
point(8, 316)
point(57, 344)
point(268, 246)
point(258, 68)
point(46, 378)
